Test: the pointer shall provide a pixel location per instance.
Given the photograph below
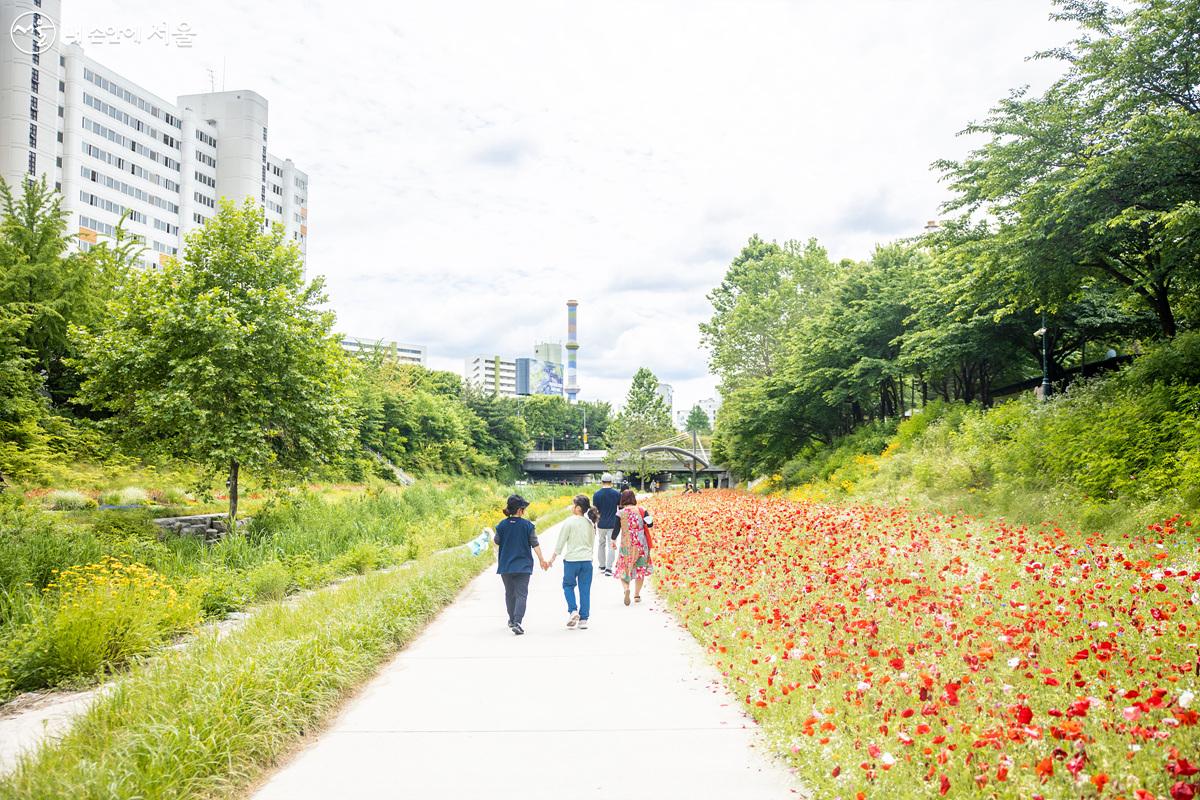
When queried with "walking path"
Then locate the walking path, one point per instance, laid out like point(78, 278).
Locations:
point(629, 708)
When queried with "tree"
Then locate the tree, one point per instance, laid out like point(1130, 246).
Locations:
point(224, 357)
point(766, 289)
point(1098, 176)
point(697, 421)
point(643, 420)
point(51, 287)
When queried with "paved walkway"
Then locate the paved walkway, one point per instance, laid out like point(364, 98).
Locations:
point(629, 708)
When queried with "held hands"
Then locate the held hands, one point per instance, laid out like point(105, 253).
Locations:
point(547, 564)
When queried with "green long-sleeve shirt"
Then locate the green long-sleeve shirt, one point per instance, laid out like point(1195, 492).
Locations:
point(575, 539)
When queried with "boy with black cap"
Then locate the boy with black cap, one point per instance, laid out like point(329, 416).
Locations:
point(516, 540)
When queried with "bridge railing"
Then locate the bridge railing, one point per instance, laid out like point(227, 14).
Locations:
point(566, 455)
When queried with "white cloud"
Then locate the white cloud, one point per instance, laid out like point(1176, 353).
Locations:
point(474, 164)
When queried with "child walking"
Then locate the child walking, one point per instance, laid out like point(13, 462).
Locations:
point(517, 541)
point(576, 540)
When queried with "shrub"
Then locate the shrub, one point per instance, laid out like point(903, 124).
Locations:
point(92, 619)
point(361, 558)
point(219, 592)
point(124, 525)
point(33, 545)
point(174, 496)
point(131, 496)
point(269, 581)
point(69, 500)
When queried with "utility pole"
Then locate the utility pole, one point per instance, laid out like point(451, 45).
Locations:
point(695, 447)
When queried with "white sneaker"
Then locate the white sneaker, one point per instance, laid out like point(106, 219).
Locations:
point(583, 624)
point(573, 620)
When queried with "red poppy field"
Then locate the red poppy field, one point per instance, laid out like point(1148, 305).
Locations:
point(895, 654)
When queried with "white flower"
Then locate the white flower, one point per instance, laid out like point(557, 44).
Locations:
point(887, 759)
point(1014, 662)
point(1185, 699)
point(863, 686)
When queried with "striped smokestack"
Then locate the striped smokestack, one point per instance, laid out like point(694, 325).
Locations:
point(572, 350)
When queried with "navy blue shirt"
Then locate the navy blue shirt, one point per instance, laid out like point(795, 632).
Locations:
point(516, 538)
point(605, 501)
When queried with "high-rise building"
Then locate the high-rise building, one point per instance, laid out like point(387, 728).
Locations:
point(114, 148)
point(667, 393)
point(492, 374)
point(404, 353)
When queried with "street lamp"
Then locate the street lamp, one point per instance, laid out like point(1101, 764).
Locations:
point(1042, 333)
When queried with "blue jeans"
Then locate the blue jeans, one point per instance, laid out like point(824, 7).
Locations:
point(581, 572)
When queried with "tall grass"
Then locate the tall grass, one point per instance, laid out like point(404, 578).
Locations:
point(206, 721)
point(1109, 455)
point(300, 541)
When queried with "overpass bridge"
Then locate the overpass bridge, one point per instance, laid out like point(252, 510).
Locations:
point(579, 464)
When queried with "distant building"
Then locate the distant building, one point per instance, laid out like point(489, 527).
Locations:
point(404, 353)
point(709, 406)
point(115, 149)
point(492, 374)
point(667, 393)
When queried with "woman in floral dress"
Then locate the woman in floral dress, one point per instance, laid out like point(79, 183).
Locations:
point(633, 563)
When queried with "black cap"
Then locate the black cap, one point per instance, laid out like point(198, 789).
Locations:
point(515, 504)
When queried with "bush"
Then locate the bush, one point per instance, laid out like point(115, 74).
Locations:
point(92, 619)
point(219, 592)
point(69, 500)
point(361, 558)
point(131, 496)
point(269, 581)
point(124, 525)
point(34, 545)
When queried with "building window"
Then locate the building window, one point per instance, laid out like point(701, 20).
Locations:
point(61, 111)
point(58, 161)
point(62, 86)
point(37, 58)
point(34, 80)
point(60, 136)
point(32, 162)
point(33, 106)
point(264, 134)
point(33, 134)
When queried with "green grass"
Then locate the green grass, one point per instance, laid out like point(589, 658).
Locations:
point(298, 541)
point(205, 722)
point(1109, 455)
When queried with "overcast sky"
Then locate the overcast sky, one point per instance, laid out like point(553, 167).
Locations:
point(473, 164)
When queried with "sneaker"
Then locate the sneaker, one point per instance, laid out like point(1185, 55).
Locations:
point(517, 629)
point(573, 620)
point(510, 624)
point(582, 625)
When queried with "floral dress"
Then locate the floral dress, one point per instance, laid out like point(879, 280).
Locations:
point(634, 559)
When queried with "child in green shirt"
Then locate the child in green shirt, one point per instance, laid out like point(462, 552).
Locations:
point(576, 539)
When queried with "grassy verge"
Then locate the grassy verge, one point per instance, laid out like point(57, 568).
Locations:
point(79, 602)
point(207, 721)
point(1112, 455)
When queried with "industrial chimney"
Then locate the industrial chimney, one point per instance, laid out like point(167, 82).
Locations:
point(572, 350)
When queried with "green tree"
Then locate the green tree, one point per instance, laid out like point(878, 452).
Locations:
point(643, 420)
point(1098, 176)
point(697, 421)
point(224, 357)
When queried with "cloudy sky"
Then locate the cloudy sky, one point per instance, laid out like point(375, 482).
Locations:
point(473, 164)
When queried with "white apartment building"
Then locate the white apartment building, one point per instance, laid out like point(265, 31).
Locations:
point(492, 374)
point(404, 353)
point(113, 148)
point(667, 392)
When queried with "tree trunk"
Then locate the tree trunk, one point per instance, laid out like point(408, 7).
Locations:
point(234, 466)
point(1162, 307)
